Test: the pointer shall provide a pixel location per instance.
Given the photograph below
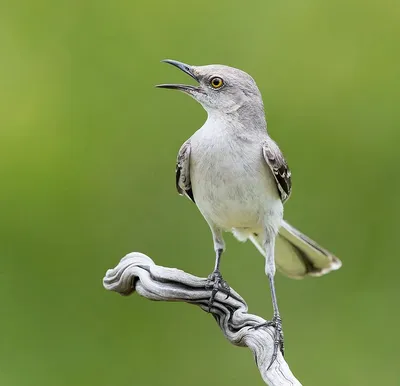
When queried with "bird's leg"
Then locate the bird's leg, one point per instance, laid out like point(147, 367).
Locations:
point(215, 280)
point(276, 321)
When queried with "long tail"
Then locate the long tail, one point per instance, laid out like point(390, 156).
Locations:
point(298, 256)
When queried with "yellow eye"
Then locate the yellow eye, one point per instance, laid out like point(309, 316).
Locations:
point(216, 82)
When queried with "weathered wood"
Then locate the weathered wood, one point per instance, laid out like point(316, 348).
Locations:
point(137, 272)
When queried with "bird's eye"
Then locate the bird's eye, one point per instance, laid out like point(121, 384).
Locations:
point(216, 82)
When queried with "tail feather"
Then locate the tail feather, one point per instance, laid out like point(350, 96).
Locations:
point(298, 256)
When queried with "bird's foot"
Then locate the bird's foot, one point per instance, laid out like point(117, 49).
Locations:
point(276, 322)
point(216, 283)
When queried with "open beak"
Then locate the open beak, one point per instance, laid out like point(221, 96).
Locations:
point(186, 68)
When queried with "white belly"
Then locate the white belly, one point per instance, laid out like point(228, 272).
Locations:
point(233, 186)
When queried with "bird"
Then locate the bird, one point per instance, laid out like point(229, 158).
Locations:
point(239, 179)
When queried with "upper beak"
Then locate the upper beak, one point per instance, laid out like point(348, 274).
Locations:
point(186, 68)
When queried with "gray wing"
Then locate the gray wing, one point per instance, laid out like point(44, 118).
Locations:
point(275, 160)
point(182, 171)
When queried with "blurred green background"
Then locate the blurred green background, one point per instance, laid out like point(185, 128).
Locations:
point(87, 160)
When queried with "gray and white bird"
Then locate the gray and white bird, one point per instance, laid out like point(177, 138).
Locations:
point(238, 178)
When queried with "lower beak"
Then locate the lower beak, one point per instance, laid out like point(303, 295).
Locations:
point(180, 87)
point(186, 68)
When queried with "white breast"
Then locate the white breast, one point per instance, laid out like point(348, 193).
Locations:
point(232, 184)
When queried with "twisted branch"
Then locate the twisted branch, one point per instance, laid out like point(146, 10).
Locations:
point(137, 272)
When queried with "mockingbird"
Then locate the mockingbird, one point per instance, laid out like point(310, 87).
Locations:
point(238, 178)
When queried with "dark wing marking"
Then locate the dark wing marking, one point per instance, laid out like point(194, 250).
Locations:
point(274, 158)
point(182, 171)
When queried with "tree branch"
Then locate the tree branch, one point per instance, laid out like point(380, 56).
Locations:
point(137, 272)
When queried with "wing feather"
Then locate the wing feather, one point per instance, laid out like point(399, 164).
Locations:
point(275, 160)
point(182, 171)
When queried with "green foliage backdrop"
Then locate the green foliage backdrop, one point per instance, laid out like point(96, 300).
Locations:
point(87, 159)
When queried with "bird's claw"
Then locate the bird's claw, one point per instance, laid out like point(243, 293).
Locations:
point(276, 322)
point(217, 284)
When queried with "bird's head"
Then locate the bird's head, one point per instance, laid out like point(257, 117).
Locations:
point(220, 88)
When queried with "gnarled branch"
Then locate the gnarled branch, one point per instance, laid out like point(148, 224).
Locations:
point(137, 272)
